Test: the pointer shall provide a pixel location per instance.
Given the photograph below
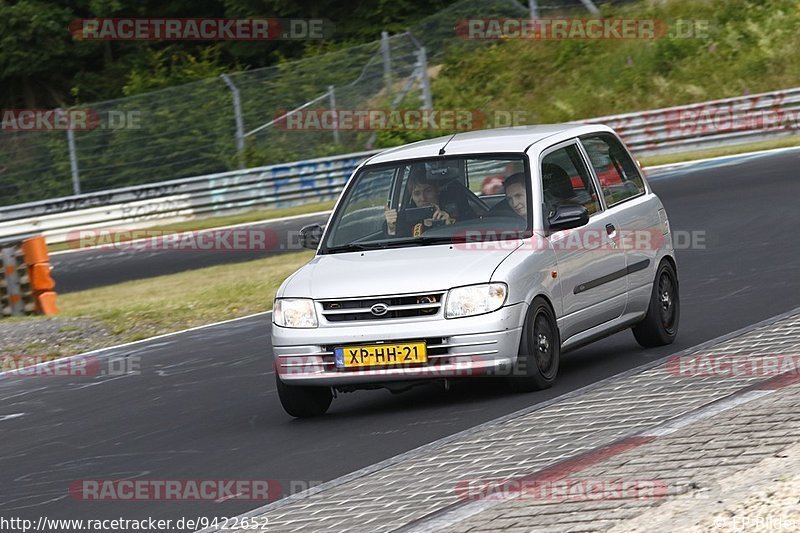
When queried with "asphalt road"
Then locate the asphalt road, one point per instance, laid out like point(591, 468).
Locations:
point(96, 267)
point(204, 404)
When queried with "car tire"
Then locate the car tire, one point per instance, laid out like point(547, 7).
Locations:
point(660, 325)
point(304, 402)
point(537, 363)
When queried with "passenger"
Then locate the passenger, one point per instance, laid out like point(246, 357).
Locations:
point(424, 193)
point(516, 193)
point(557, 188)
point(516, 199)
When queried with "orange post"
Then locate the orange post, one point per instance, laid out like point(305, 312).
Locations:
point(34, 250)
point(46, 303)
point(40, 277)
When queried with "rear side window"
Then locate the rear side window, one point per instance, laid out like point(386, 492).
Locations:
point(617, 173)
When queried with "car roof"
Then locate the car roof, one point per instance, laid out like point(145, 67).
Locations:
point(500, 140)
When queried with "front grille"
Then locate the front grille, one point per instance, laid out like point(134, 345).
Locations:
point(381, 308)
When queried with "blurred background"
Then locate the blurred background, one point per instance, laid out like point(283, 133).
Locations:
point(182, 118)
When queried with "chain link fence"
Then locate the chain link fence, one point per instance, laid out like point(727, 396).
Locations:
point(231, 122)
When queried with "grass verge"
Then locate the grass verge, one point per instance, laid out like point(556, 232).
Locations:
point(786, 142)
point(139, 309)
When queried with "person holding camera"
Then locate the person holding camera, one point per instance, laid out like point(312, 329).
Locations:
point(424, 193)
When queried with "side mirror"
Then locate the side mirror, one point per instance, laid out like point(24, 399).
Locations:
point(310, 236)
point(568, 217)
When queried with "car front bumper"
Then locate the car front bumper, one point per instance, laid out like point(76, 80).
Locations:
point(462, 347)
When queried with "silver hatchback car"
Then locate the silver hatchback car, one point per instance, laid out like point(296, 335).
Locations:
point(487, 253)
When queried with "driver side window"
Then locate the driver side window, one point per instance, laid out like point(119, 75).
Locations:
point(363, 214)
point(566, 181)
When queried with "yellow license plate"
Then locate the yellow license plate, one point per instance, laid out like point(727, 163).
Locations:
point(381, 355)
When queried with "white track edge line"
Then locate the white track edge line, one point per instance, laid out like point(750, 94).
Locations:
point(132, 343)
point(716, 158)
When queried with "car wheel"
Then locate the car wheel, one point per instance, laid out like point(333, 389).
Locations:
point(539, 350)
point(304, 402)
point(660, 325)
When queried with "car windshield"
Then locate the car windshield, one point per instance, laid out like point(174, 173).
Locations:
point(434, 201)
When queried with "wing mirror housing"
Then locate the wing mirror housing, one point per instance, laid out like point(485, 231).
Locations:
point(568, 217)
point(310, 236)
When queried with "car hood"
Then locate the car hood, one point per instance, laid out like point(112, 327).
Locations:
point(394, 271)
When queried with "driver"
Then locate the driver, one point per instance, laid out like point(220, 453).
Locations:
point(424, 193)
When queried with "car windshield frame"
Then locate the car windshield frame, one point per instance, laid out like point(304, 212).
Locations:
point(396, 188)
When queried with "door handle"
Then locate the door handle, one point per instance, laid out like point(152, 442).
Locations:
point(610, 229)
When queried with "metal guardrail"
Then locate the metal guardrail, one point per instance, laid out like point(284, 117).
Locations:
point(702, 125)
point(707, 124)
point(277, 186)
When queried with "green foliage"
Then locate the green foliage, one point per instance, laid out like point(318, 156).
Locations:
point(185, 111)
point(169, 67)
point(41, 65)
point(750, 46)
point(35, 53)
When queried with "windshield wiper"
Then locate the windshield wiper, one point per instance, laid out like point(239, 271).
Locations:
point(418, 241)
point(421, 241)
point(354, 247)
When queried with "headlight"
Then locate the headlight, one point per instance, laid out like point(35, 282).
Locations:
point(294, 313)
point(475, 299)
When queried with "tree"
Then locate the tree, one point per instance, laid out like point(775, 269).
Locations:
point(36, 59)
